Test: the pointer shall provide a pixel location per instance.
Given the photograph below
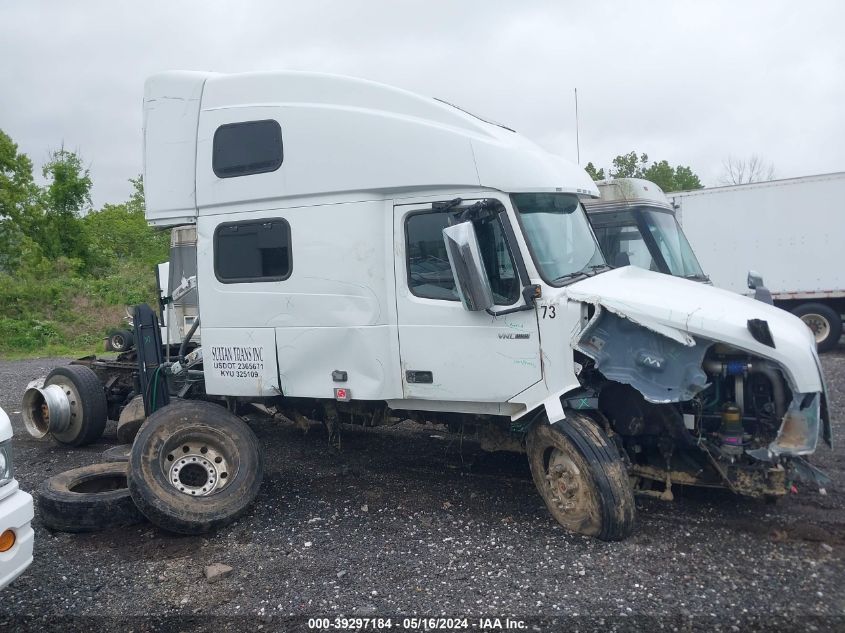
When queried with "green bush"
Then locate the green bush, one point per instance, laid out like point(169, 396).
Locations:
point(26, 335)
point(66, 270)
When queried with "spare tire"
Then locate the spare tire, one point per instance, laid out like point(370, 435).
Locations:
point(88, 499)
point(88, 405)
point(194, 467)
point(120, 341)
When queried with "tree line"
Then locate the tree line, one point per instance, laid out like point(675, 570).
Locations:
point(67, 270)
point(735, 171)
point(54, 225)
point(633, 165)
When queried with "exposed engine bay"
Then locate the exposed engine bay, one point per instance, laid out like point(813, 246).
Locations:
point(696, 412)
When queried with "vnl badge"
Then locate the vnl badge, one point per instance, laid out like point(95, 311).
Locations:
point(343, 394)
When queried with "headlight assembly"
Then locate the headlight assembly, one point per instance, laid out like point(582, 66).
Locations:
point(6, 469)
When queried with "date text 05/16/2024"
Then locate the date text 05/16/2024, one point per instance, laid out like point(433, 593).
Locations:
point(417, 624)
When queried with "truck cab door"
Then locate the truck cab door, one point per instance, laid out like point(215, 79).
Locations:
point(447, 352)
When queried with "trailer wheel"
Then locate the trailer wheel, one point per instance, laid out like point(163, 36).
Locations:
point(120, 341)
point(194, 467)
point(823, 321)
point(88, 499)
point(581, 477)
point(88, 405)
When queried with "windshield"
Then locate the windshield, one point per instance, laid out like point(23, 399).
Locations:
point(673, 245)
point(558, 235)
point(621, 241)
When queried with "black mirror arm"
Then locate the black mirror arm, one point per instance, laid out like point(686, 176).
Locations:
point(529, 294)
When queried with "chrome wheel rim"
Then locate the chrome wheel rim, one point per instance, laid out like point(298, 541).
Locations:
point(197, 467)
point(819, 326)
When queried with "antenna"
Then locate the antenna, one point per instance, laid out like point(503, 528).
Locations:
point(577, 140)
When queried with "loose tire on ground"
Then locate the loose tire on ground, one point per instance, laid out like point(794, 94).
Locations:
point(88, 499)
point(131, 418)
point(87, 398)
point(120, 341)
point(581, 477)
point(119, 453)
point(823, 321)
point(194, 467)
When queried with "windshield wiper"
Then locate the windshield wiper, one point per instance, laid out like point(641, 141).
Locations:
point(697, 277)
point(589, 271)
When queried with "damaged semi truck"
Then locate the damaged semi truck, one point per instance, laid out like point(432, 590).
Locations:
point(368, 255)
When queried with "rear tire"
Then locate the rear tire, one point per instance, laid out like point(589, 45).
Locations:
point(194, 467)
point(88, 405)
point(88, 499)
point(824, 322)
point(581, 476)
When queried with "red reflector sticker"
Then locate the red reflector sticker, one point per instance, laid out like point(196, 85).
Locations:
point(341, 393)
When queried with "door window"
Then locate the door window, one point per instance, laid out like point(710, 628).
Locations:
point(429, 272)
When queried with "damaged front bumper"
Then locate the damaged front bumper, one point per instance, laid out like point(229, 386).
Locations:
point(665, 363)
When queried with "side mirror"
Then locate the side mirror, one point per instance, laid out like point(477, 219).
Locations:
point(761, 293)
point(468, 267)
point(755, 279)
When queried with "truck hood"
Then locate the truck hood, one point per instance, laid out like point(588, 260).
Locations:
point(681, 309)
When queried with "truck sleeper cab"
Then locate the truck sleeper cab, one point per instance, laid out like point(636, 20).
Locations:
point(365, 254)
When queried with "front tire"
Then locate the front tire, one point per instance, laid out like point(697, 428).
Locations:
point(194, 467)
point(824, 322)
point(581, 476)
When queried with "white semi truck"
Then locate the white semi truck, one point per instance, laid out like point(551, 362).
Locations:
point(635, 225)
point(790, 231)
point(367, 255)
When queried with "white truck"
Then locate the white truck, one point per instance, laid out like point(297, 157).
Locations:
point(367, 255)
point(790, 231)
point(635, 225)
point(16, 511)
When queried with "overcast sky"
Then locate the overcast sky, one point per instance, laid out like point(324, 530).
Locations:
point(691, 82)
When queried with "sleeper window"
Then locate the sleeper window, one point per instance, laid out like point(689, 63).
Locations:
point(252, 251)
point(242, 149)
point(429, 272)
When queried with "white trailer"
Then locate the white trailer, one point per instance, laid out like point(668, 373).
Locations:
point(790, 231)
point(367, 255)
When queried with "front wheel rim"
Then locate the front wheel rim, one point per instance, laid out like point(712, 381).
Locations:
point(819, 326)
point(568, 488)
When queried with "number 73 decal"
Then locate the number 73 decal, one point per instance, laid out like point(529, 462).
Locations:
point(548, 312)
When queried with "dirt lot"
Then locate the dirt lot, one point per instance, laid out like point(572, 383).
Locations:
point(405, 521)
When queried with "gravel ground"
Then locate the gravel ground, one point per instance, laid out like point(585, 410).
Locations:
point(404, 521)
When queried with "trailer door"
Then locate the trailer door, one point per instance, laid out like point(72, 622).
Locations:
point(447, 352)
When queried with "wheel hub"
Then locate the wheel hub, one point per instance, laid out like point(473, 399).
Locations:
point(564, 479)
point(197, 469)
point(818, 325)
